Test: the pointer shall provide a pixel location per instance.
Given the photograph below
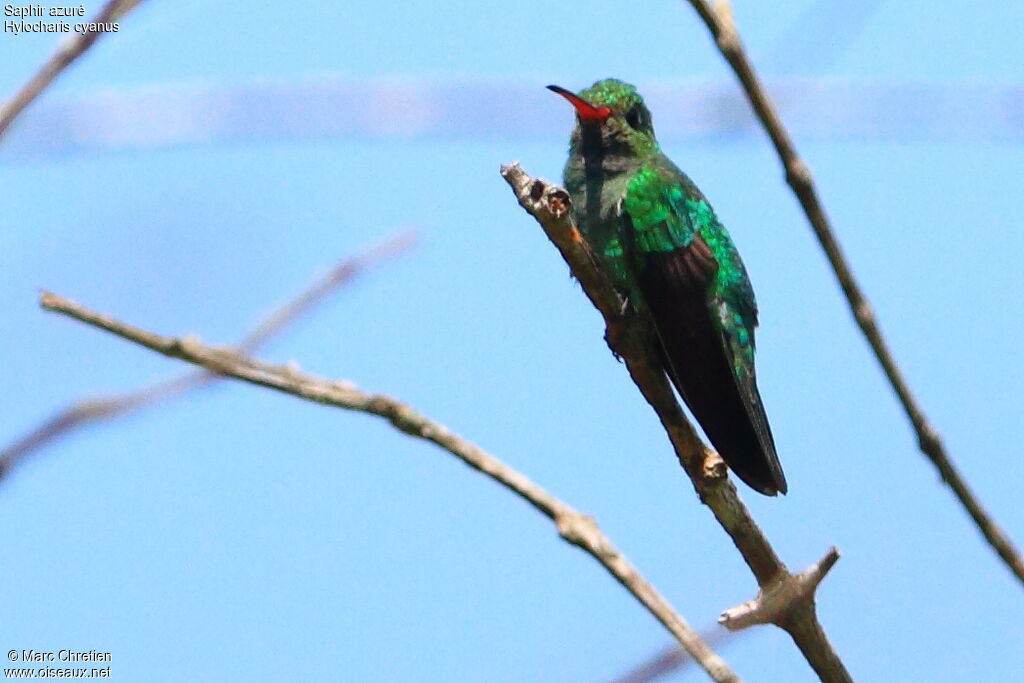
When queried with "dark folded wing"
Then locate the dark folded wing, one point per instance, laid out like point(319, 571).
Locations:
point(706, 364)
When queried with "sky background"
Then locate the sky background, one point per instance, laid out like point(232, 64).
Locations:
point(238, 534)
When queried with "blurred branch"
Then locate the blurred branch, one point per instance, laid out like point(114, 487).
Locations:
point(630, 338)
point(86, 411)
point(576, 528)
point(69, 50)
point(672, 659)
point(720, 23)
point(172, 114)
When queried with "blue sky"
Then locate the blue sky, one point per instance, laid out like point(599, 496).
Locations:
point(242, 535)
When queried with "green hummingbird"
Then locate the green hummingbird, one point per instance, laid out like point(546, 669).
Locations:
point(669, 255)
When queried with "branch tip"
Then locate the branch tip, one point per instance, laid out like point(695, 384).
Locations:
point(85, 411)
point(48, 300)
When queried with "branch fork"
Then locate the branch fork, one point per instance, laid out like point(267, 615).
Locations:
point(783, 599)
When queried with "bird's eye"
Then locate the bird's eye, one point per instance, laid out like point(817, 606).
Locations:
point(635, 118)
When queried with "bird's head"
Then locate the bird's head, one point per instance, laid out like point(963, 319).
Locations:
point(610, 117)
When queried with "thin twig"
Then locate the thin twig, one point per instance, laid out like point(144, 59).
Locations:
point(719, 21)
point(576, 528)
point(630, 338)
point(86, 411)
point(69, 50)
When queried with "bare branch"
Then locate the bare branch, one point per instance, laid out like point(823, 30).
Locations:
point(720, 22)
point(630, 338)
point(69, 50)
point(573, 526)
point(87, 411)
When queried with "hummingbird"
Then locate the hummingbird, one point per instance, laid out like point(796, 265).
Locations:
point(665, 250)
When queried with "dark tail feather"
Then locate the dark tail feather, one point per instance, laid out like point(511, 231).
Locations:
point(743, 440)
point(697, 360)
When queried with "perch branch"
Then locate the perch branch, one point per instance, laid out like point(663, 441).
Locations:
point(720, 23)
point(576, 528)
point(86, 411)
point(69, 50)
point(630, 339)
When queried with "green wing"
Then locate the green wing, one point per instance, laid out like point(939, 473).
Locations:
point(656, 207)
point(692, 281)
